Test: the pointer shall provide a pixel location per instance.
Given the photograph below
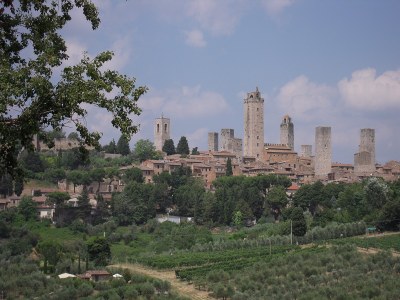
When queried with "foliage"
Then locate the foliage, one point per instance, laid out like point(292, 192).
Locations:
point(27, 208)
point(145, 149)
point(51, 253)
point(276, 200)
point(57, 198)
point(32, 97)
point(133, 174)
point(183, 147)
point(123, 146)
point(99, 251)
point(229, 171)
point(111, 147)
point(135, 205)
point(169, 147)
point(195, 151)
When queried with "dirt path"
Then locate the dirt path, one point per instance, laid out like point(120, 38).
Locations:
point(375, 251)
point(183, 288)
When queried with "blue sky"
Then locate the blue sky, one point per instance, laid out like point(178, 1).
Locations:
point(325, 63)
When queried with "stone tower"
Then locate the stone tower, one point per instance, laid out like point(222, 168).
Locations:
point(306, 151)
point(364, 160)
point(254, 125)
point(227, 136)
point(213, 141)
point(323, 151)
point(287, 132)
point(162, 132)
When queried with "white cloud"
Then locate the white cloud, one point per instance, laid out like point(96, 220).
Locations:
point(304, 99)
point(197, 138)
point(275, 7)
point(75, 51)
point(122, 53)
point(184, 102)
point(195, 38)
point(367, 91)
point(219, 17)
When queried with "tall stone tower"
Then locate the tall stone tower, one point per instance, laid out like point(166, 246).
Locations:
point(227, 135)
point(254, 125)
point(287, 132)
point(364, 160)
point(306, 151)
point(213, 141)
point(323, 151)
point(162, 132)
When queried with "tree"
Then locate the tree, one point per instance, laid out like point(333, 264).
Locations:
point(51, 253)
point(54, 175)
point(32, 161)
point(145, 149)
point(134, 174)
point(276, 200)
point(111, 147)
point(57, 198)
point(123, 146)
point(195, 151)
point(99, 251)
point(33, 96)
point(299, 224)
point(169, 147)
point(74, 136)
point(229, 171)
point(27, 208)
point(183, 146)
point(98, 175)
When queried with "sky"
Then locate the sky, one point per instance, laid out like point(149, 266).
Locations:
point(325, 63)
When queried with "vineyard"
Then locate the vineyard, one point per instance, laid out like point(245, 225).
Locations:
point(385, 242)
point(191, 265)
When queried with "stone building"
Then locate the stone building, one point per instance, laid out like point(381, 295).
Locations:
point(279, 153)
point(287, 132)
point(364, 160)
point(323, 151)
point(254, 125)
point(306, 151)
point(213, 141)
point(162, 132)
point(230, 143)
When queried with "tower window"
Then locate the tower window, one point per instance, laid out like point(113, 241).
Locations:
point(257, 108)
point(158, 128)
point(165, 127)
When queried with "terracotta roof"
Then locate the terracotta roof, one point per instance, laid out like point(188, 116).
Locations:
point(97, 272)
point(293, 187)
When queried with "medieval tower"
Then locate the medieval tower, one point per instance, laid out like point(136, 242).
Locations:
point(323, 151)
point(364, 160)
point(287, 132)
point(162, 132)
point(254, 125)
point(306, 151)
point(213, 141)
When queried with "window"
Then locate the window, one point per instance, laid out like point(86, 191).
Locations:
point(158, 128)
point(165, 127)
